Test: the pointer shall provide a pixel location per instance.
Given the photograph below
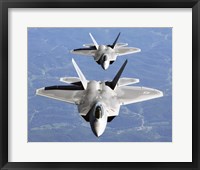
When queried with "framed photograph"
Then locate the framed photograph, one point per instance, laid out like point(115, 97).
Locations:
point(99, 84)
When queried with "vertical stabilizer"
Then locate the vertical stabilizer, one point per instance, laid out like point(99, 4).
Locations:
point(114, 43)
point(94, 41)
point(113, 83)
point(80, 74)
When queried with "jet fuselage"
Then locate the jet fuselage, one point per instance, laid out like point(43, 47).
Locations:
point(98, 102)
point(104, 56)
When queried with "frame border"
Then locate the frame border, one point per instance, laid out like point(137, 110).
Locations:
point(6, 4)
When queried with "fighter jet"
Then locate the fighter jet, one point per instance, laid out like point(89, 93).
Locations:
point(105, 54)
point(99, 101)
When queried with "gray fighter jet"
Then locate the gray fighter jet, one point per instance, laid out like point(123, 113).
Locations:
point(99, 101)
point(105, 54)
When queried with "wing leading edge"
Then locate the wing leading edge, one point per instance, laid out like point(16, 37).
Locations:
point(69, 96)
point(84, 51)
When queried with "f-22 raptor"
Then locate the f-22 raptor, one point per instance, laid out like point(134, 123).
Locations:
point(99, 101)
point(105, 54)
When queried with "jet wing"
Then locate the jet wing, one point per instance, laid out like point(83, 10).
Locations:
point(126, 50)
point(69, 96)
point(84, 51)
point(133, 94)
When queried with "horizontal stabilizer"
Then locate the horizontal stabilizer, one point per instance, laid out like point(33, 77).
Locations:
point(88, 45)
point(121, 45)
point(127, 81)
point(69, 80)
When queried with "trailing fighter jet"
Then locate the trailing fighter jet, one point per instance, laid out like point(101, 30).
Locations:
point(105, 54)
point(99, 101)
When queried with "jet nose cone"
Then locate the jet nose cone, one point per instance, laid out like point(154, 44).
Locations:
point(98, 132)
point(98, 128)
point(105, 65)
point(104, 68)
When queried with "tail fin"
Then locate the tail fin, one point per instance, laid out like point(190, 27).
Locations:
point(94, 41)
point(114, 43)
point(113, 83)
point(80, 74)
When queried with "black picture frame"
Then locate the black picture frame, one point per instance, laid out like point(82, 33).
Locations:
point(6, 4)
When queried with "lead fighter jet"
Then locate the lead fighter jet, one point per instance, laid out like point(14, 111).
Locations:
point(99, 101)
point(105, 54)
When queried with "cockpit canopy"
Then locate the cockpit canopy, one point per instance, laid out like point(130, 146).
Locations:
point(98, 112)
point(105, 57)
